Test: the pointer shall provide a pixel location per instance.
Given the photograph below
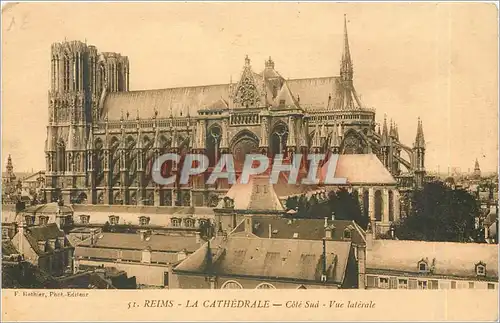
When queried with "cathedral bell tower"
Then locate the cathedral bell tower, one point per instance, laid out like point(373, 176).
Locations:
point(79, 78)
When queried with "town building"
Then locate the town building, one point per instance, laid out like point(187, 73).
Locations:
point(102, 138)
point(44, 214)
point(396, 264)
point(280, 227)
point(253, 263)
point(147, 257)
point(45, 246)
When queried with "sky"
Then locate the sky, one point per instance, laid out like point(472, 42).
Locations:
point(438, 62)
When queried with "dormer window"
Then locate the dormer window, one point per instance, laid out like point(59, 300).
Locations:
point(423, 267)
point(348, 233)
point(84, 219)
point(176, 222)
point(189, 223)
point(481, 269)
point(282, 102)
point(42, 245)
point(29, 220)
point(143, 220)
point(113, 219)
point(43, 220)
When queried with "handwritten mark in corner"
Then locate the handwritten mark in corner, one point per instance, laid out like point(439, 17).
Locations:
point(13, 23)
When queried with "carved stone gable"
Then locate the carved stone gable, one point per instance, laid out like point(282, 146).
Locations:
point(247, 93)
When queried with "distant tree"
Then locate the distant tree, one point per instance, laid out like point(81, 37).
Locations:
point(440, 213)
point(346, 206)
point(343, 204)
point(291, 203)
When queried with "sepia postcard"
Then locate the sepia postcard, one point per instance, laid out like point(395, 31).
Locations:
point(263, 161)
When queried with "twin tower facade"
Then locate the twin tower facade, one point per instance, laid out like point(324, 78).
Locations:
point(102, 138)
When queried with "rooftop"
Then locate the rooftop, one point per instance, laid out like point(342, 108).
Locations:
point(265, 258)
point(449, 258)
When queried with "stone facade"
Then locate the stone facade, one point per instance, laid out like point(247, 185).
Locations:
point(102, 139)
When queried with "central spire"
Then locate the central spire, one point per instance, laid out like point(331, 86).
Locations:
point(346, 69)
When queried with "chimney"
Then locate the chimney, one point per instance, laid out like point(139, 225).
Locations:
point(52, 244)
point(146, 255)
point(41, 245)
point(333, 216)
point(328, 232)
point(22, 227)
point(61, 241)
point(143, 235)
point(326, 221)
point(92, 237)
point(270, 231)
point(248, 224)
point(181, 255)
point(323, 272)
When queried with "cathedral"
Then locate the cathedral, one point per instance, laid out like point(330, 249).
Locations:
point(102, 138)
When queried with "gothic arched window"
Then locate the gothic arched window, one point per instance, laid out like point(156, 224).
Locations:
point(61, 156)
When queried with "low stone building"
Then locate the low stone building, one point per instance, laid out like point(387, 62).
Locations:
point(255, 263)
point(149, 257)
point(278, 227)
point(395, 264)
point(45, 246)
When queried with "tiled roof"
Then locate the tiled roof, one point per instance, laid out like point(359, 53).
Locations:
point(285, 95)
point(313, 93)
point(49, 208)
point(450, 258)
point(124, 255)
point(276, 258)
point(156, 242)
point(303, 229)
point(360, 169)
point(43, 233)
point(8, 248)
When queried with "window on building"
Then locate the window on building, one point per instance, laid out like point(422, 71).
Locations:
point(422, 266)
point(383, 282)
point(480, 269)
point(29, 220)
point(422, 284)
point(176, 222)
point(85, 219)
point(143, 220)
point(471, 285)
point(453, 285)
point(402, 283)
point(43, 220)
point(189, 223)
point(282, 102)
point(491, 286)
point(165, 279)
point(347, 234)
point(231, 284)
point(265, 286)
point(113, 219)
point(371, 281)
